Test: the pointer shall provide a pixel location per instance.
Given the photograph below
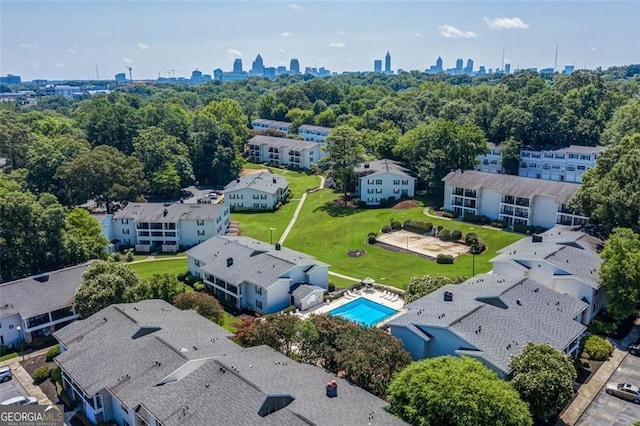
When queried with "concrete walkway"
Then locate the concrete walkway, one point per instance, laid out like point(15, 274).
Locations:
point(588, 391)
point(25, 379)
point(292, 222)
point(335, 274)
point(428, 213)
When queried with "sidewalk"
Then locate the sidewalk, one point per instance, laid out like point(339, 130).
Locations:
point(588, 392)
point(25, 379)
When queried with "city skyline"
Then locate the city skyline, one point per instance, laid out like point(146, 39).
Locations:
point(180, 36)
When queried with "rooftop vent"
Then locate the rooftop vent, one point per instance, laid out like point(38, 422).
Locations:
point(536, 238)
point(448, 296)
point(42, 278)
point(332, 388)
point(274, 180)
point(237, 180)
point(165, 212)
point(278, 246)
point(229, 261)
point(366, 166)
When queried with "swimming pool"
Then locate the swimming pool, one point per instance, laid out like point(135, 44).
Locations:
point(363, 311)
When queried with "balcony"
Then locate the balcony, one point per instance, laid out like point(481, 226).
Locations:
point(508, 199)
point(457, 191)
point(62, 313)
point(142, 225)
point(456, 201)
point(471, 193)
point(521, 213)
point(524, 202)
point(38, 320)
point(507, 210)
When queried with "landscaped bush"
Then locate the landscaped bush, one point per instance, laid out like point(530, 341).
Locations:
point(386, 229)
point(456, 235)
point(190, 279)
point(371, 239)
point(384, 202)
point(56, 374)
point(417, 226)
point(450, 214)
point(602, 327)
point(356, 201)
point(41, 374)
point(391, 199)
point(362, 204)
point(498, 224)
point(198, 287)
point(52, 353)
point(598, 348)
point(130, 257)
point(395, 225)
point(332, 287)
point(444, 259)
point(444, 235)
point(483, 220)
point(4, 350)
point(115, 257)
point(181, 276)
point(520, 228)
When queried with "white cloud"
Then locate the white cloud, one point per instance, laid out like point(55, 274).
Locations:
point(338, 44)
point(142, 45)
point(447, 31)
point(127, 60)
point(417, 34)
point(72, 50)
point(58, 65)
point(341, 32)
point(102, 34)
point(286, 34)
point(505, 23)
point(28, 45)
point(296, 7)
point(593, 48)
point(234, 53)
point(281, 50)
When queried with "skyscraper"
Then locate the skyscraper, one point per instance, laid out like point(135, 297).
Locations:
point(387, 63)
point(459, 64)
point(294, 67)
point(439, 64)
point(237, 65)
point(258, 66)
point(507, 68)
point(377, 66)
point(469, 68)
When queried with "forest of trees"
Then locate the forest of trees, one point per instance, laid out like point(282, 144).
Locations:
point(149, 141)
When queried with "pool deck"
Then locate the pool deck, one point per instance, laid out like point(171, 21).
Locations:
point(373, 295)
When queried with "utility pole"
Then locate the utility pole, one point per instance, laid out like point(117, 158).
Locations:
point(130, 74)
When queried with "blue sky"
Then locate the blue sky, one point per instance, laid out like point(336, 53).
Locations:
point(64, 39)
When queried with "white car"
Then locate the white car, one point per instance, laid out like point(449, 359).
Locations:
point(5, 374)
point(20, 400)
point(624, 391)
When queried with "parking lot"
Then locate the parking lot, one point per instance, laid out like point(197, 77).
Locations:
point(10, 389)
point(610, 410)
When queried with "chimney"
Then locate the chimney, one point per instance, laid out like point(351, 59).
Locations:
point(229, 261)
point(237, 180)
point(165, 212)
point(332, 389)
point(366, 166)
point(274, 180)
point(278, 246)
point(448, 296)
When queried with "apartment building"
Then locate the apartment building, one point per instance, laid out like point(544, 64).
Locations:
point(261, 191)
point(262, 124)
point(491, 160)
point(511, 199)
point(314, 133)
point(380, 179)
point(164, 228)
point(286, 152)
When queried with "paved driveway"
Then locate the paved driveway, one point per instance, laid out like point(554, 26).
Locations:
point(10, 389)
point(610, 410)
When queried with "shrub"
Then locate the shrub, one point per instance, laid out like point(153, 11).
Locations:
point(190, 279)
point(598, 348)
point(520, 228)
point(198, 287)
point(444, 235)
point(362, 204)
point(41, 374)
point(115, 257)
point(356, 201)
point(372, 234)
point(3, 349)
point(391, 199)
point(56, 374)
point(395, 225)
point(384, 202)
point(471, 238)
point(456, 235)
point(498, 224)
point(332, 287)
point(52, 353)
point(450, 214)
point(181, 276)
point(371, 239)
point(470, 217)
point(602, 327)
point(417, 226)
point(445, 259)
point(386, 229)
point(130, 257)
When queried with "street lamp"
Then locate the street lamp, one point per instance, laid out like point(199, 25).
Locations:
point(19, 330)
point(271, 233)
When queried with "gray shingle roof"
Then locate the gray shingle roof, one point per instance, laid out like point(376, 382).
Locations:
point(30, 297)
point(573, 149)
point(478, 315)
point(271, 123)
point(516, 186)
point(272, 141)
point(254, 262)
point(263, 181)
point(155, 212)
point(217, 383)
point(309, 127)
point(375, 167)
point(304, 290)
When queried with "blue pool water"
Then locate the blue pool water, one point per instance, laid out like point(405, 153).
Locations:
point(363, 311)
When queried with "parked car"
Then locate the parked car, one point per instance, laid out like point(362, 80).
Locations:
point(5, 374)
point(20, 400)
point(634, 348)
point(624, 391)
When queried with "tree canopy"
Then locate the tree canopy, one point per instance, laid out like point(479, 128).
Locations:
point(421, 286)
point(203, 303)
point(450, 391)
point(344, 152)
point(543, 376)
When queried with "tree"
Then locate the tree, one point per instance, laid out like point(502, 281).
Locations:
point(165, 287)
point(421, 286)
point(455, 391)
point(318, 336)
point(106, 283)
point(543, 376)
point(83, 238)
point(15, 139)
point(344, 152)
point(369, 357)
point(610, 191)
point(103, 174)
point(624, 122)
point(620, 272)
point(228, 114)
point(203, 303)
point(511, 156)
point(277, 331)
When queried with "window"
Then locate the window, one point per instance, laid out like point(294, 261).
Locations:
point(560, 156)
point(201, 233)
point(258, 290)
point(526, 154)
point(258, 304)
point(370, 181)
point(573, 156)
point(585, 157)
point(379, 191)
point(555, 167)
point(494, 161)
point(396, 181)
point(582, 168)
point(196, 262)
point(535, 155)
point(405, 182)
point(256, 196)
point(548, 155)
point(200, 222)
point(125, 221)
point(125, 231)
point(571, 168)
point(378, 181)
point(256, 205)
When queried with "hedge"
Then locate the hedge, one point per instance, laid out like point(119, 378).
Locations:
point(468, 217)
point(41, 374)
point(395, 225)
point(386, 229)
point(449, 214)
point(417, 226)
point(598, 348)
point(445, 259)
point(456, 235)
point(444, 235)
point(52, 353)
point(198, 287)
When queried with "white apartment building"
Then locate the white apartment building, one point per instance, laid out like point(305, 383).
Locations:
point(564, 164)
point(159, 227)
point(260, 191)
point(314, 133)
point(286, 152)
point(511, 199)
point(262, 124)
point(381, 179)
point(250, 274)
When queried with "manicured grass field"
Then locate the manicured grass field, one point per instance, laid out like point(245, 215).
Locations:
point(172, 267)
point(328, 231)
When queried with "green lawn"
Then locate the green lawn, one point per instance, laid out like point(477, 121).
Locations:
point(173, 267)
point(328, 232)
point(230, 322)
